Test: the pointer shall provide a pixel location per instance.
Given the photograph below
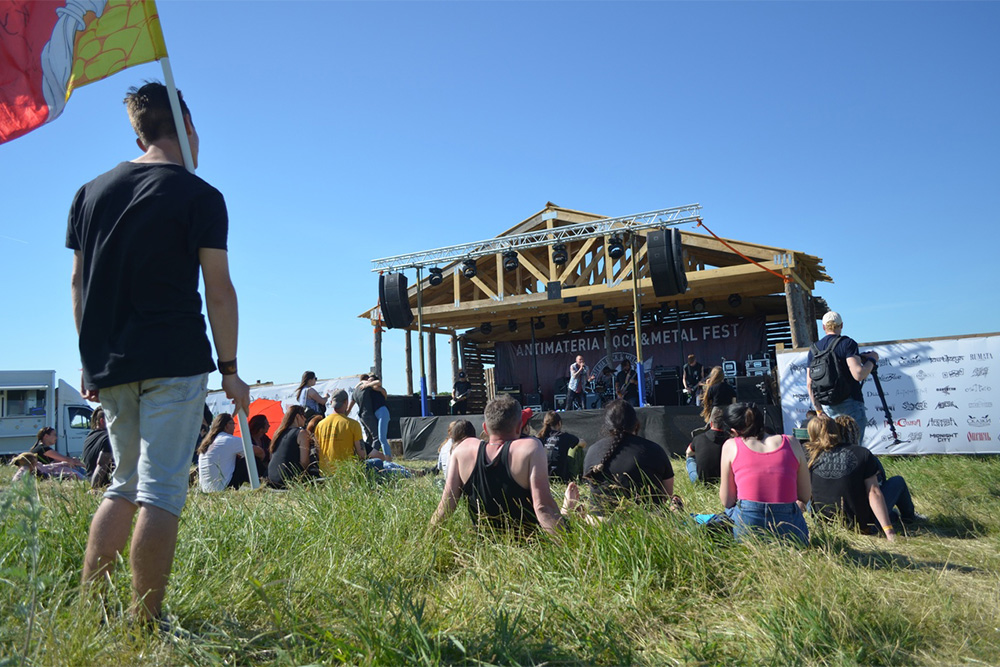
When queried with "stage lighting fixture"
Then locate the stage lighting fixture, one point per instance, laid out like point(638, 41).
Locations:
point(615, 247)
point(563, 320)
point(510, 261)
point(469, 268)
point(698, 305)
point(559, 254)
point(539, 322)
point(735, 300)
point(485, 328)
point(436, 276)
point(512, 325)
point(587, 316)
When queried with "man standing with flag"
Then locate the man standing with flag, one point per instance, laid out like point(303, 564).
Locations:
point(140, 234)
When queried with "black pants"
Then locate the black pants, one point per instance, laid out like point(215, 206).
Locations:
point(576, 400)
point(460, 408)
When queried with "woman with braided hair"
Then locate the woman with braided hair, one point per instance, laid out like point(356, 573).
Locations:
point(762, 476)
point(623, 465)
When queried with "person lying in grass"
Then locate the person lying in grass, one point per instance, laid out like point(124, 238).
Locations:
point(505, 479)
point(844, 480)
point(27, 464)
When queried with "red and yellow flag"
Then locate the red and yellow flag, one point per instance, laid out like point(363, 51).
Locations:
point(48, 49)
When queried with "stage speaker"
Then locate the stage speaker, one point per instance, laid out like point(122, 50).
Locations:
point(532, 400)
point(752, 390)
point(666, 262)
point(394, 301)
point(666, 391)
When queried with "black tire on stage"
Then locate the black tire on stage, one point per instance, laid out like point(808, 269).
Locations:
point(394, 301)
point(666, 267)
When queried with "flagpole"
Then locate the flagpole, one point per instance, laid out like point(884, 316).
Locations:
point(182, 139)
point(175, 107)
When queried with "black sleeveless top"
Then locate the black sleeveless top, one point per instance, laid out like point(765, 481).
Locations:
point(493, 494)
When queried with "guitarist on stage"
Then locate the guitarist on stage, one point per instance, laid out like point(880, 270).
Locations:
point(693, 379)
point(460, 395)
point(628, 386)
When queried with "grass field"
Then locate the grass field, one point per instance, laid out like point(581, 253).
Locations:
point(346, 573)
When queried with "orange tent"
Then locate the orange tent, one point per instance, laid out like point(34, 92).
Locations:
point(270, 409)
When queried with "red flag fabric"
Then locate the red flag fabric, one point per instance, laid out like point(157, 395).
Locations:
point(48, 49)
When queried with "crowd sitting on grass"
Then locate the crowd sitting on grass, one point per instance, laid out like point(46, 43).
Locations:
point(767, 482)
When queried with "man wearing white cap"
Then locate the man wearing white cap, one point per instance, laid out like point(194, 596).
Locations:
point(854, 367)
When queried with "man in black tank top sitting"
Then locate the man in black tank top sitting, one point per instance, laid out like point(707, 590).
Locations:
point(505, 480)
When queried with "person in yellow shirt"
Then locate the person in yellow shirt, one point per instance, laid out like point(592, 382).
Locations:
point(340, 438)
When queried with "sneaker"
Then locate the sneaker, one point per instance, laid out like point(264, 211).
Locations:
point(916, 518)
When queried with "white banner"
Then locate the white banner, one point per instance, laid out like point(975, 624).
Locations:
point(942, 394)
point(218, 403)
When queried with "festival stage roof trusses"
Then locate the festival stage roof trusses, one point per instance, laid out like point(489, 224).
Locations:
point(588, 280)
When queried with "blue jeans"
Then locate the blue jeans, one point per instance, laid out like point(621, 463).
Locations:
point(388, 468)
point(382, 414)
point(692, 468)
point(897, 494)
point(783, 519)
point(852, 408)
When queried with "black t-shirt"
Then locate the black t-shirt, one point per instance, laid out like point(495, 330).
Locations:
point(707, 448)
point(377, 399)
point(720, 395)
point(461, 389)
point(362, 398)
point(39, 449)
point(693, 374)
point(846, 347)
point(838, 483)
point(139, 228)
point(634, 472)
point(285, 463)
point(557, 446)
point(97, 441)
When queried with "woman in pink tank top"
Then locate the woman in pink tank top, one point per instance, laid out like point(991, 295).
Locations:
point(763, 477)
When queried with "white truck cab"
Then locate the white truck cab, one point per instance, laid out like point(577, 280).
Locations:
point(30, 400)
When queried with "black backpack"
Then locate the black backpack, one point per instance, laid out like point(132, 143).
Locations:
point(830, 382)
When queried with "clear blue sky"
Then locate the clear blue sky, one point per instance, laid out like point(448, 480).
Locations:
point(867, 134)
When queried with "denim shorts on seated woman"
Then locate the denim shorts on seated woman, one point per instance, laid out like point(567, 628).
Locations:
point(782, 519)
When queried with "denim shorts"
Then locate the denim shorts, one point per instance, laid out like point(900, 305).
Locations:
point(782, 519)
point(153, 425)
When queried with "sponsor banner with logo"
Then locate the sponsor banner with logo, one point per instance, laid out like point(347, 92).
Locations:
point(710, 340)
point(943, 395)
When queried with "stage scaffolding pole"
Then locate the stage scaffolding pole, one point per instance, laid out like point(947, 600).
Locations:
point(637, 316)
point(420, 346)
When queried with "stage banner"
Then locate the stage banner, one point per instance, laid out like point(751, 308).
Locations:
point(711, 340)
point(939, 392)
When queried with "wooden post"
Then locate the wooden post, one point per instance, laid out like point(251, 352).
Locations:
point(798, 315)
point(409, 364)
point(378, 349)
point(433, 361)
point(454, 359)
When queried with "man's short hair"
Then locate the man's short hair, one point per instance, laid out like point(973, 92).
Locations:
point(503, 415)
point(149, 112)
point(832, 319)
point(715, 417)
point(691, 358)
point(339, 398)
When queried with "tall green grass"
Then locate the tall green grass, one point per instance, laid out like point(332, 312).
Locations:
point(346, 572)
